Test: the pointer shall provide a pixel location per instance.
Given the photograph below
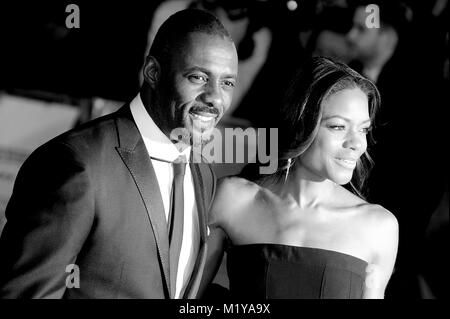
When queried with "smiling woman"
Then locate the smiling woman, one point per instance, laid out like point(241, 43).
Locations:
point(327, 94)
point(306, 231)
point(341, 138)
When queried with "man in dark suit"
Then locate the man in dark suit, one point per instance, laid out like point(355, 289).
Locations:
point(94, 212)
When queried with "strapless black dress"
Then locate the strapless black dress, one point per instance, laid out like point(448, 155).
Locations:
point(271, 271)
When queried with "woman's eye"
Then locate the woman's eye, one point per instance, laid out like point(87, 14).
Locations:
point(337, 127)
point(366, 130)
point(195, 78)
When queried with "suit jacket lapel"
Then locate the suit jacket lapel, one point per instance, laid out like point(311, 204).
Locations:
point(134, 154)
point(198, 176)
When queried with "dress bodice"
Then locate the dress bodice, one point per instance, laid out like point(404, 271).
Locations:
point(271, 271)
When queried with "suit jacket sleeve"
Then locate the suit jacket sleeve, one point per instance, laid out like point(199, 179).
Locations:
point(49, 217)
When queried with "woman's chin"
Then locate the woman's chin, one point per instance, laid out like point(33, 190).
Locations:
point(342, 179)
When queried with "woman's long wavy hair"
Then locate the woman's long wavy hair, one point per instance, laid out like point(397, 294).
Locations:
point(301, 113)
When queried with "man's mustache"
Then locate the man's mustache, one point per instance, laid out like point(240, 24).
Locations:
point(204, 109)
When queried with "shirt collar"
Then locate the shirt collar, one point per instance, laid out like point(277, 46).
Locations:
point(157, 143)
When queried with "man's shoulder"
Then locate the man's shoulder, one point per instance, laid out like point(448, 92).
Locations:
point(87, 138)
point(93, 131)
point(94, 128)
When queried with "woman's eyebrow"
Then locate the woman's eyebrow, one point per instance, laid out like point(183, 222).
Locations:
point(343, 118)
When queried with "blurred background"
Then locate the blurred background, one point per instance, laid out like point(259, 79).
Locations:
point(53, 78)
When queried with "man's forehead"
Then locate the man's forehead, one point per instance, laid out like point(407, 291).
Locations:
point(204, 45)
point(194, 39)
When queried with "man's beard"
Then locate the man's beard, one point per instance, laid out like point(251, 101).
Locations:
point(194, 136)
point(200, 137)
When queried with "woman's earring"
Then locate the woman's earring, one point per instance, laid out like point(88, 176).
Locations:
point(287, 169)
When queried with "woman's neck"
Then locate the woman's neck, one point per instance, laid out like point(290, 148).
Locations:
point(305, 188)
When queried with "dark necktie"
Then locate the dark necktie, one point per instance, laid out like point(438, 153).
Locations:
point(176, 219)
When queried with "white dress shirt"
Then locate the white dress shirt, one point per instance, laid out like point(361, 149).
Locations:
point(160, 147)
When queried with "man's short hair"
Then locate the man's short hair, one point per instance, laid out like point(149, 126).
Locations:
point(175, 29)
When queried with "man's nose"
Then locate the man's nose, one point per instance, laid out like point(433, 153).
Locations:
point(212, 96)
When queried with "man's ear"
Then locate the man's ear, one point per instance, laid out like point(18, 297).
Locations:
point(152, 71)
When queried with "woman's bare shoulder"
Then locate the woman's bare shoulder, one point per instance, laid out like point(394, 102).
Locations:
point(233, 194)
point(373, 215)
point(380, 218)
point(235, 181)
point(378, 224)
point(381, 231)
point(236, 186)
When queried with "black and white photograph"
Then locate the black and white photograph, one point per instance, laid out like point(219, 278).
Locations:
point(224, 154)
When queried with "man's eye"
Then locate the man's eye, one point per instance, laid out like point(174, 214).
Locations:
point(230, 84)
point(195, 78)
